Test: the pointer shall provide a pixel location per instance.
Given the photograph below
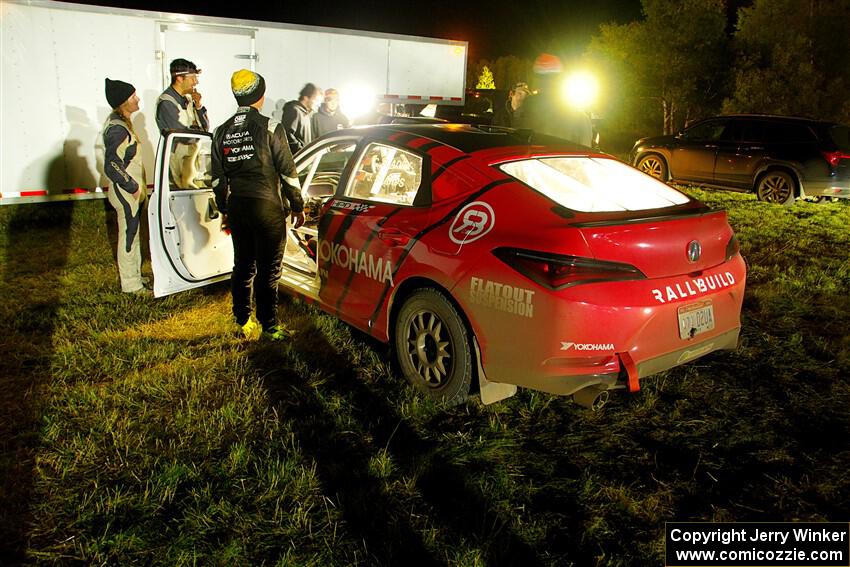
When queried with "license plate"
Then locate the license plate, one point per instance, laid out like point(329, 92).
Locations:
point(695, 319)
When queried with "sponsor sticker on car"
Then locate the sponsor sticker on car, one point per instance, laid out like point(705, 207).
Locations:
point(695, 319)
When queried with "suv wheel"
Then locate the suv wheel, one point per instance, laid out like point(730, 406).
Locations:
point(776, 187)
point(654, 165)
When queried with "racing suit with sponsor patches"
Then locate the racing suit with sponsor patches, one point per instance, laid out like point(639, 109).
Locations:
point(123, 166)
point(255, 185)
point(176, 112)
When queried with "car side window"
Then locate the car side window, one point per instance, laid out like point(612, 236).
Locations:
point(710, 130)
point(386, 174)
point(320, 174)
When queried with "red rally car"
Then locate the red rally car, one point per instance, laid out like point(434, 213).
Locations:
point(489, 258)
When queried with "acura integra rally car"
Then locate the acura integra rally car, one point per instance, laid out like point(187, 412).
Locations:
point(489, 258)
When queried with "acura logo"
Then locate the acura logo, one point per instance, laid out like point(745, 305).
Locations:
point(694, 251)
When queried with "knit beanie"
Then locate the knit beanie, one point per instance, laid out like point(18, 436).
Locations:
point(117, 92)
point(248, 87)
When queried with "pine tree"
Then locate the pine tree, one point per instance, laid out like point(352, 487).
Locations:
point(485, 79)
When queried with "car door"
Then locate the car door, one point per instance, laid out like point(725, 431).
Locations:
point(188, 248)
point(742, 147)
point(692, 158)
point(369, 227)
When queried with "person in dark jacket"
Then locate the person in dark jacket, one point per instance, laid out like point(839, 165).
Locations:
point(329, 117)
point(512, 113)
point(250, 159)
point(123, 166)
point(296, 117)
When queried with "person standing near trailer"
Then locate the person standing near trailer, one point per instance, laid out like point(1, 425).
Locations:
point(123, 166)
point(297, 120)
point(250, 159)
point(329, 117)
point(179, 108)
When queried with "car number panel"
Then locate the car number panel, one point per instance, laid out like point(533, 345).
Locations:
point(695, 319)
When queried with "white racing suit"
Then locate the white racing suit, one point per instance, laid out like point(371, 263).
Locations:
point(123, 166)
point(175, 112)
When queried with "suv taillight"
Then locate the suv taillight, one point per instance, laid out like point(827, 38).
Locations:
point(556, 271)
point(834, 157)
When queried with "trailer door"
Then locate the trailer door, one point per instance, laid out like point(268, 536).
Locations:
point(188, 247)
point(218, 51)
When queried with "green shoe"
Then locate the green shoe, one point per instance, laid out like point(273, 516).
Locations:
point(277, 333)
point(251, 330)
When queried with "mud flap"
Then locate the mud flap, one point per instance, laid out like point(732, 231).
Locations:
point(491, 392)
point(631, 371)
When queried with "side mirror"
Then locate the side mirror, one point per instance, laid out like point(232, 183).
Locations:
point(680, 134)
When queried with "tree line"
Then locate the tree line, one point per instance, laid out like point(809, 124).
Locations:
point(681, 62)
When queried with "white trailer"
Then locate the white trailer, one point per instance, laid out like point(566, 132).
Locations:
point(56, 55)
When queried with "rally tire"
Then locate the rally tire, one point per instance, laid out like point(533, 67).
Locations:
point(433, 348)
point(654, 165)
point(776, 186)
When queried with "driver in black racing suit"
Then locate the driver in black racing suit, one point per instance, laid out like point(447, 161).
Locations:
point(255, 185)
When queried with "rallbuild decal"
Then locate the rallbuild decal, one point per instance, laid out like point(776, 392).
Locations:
point(702, 285)
point(472, 222)
point(356, 261)
point(502, 297)
point(587, 346)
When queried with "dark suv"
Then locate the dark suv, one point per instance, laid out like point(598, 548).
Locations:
point(779, 158)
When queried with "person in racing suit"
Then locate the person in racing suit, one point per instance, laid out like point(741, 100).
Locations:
point(123, 166)
point(179, 108)
point(250, 159)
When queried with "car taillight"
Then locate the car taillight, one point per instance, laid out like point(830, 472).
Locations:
point(556, 271)
point(732, 248)
point(834, 157)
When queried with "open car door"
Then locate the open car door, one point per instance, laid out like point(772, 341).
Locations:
point(188, 248)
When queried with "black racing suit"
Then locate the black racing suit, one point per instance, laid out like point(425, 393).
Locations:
point(249, 157)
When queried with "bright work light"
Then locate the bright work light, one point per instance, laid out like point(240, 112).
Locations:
point(356, 100)
point(580, 90)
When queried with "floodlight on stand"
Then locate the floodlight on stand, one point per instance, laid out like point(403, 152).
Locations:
point(357, 99)
point(580, 90)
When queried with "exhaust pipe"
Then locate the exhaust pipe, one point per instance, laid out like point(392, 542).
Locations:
point(592, 397)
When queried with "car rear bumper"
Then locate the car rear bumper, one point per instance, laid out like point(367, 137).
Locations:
point(827, 188)
point(610, 335)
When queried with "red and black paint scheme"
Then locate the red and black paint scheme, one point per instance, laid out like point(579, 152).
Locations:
point(476, 274)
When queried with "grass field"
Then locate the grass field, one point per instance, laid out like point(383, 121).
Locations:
point(141, 431)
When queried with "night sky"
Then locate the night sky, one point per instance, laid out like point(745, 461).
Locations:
point(499, 27)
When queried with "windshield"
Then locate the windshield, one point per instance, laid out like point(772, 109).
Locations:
point(594, 184)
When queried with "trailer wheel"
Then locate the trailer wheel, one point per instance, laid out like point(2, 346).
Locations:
point(433, 347)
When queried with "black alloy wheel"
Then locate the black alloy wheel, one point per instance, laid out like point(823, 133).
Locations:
point(433, 347)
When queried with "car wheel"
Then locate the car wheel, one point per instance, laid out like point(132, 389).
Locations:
point(654, 165)
point(432, 347)
point(776, 187)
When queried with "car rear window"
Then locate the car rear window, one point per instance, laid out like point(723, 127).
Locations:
point(841, 136)
point(777, 132)
point(594, 184)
